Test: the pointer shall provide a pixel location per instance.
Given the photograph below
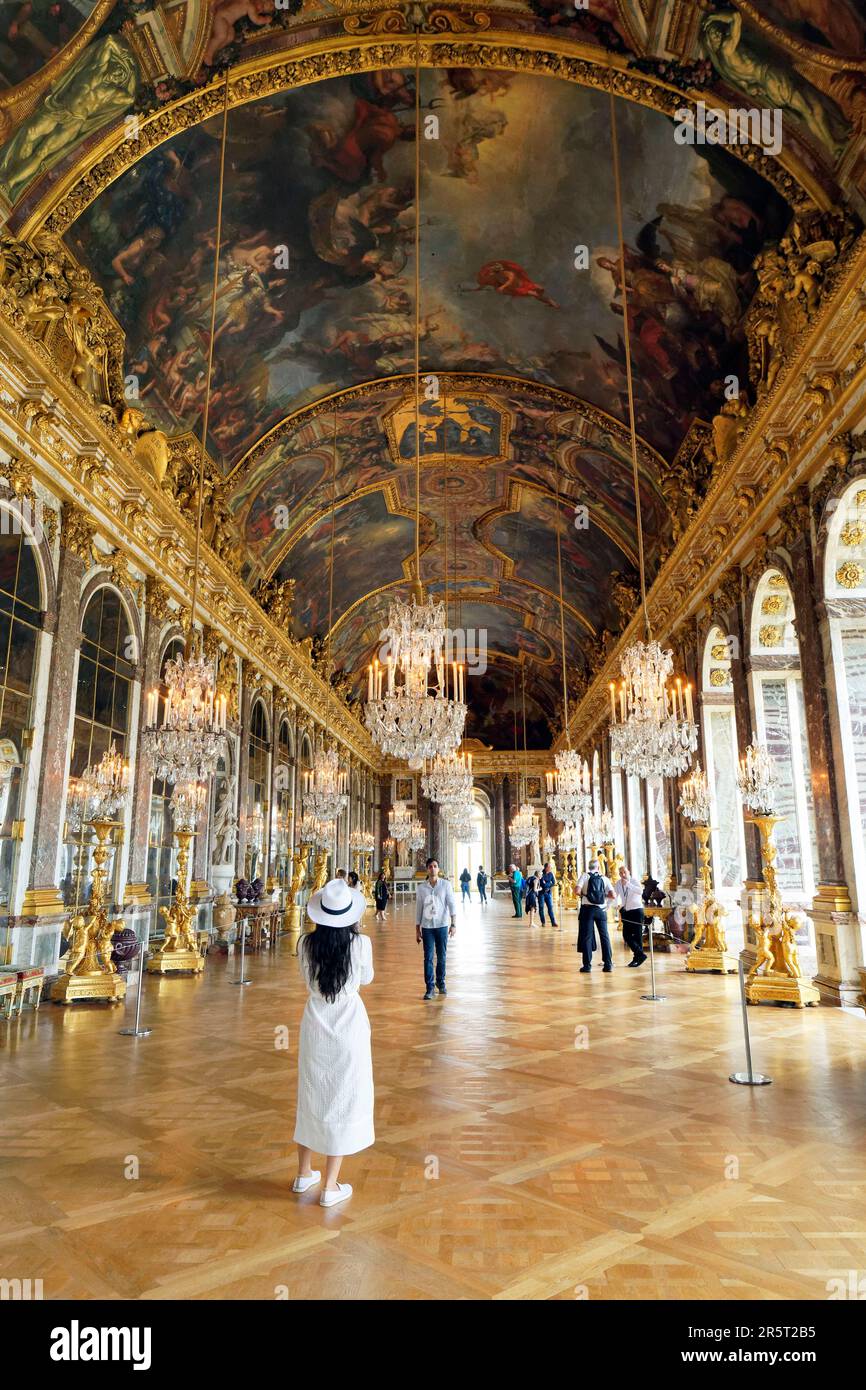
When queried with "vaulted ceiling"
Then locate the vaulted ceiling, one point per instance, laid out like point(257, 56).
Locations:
point(521, 323)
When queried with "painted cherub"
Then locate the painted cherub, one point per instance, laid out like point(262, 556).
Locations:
point(225, 15)
point(765, 951)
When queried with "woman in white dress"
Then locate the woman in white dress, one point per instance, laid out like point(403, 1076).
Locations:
point(335, 1064)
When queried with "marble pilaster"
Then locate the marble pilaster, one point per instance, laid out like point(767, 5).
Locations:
point(76, 536)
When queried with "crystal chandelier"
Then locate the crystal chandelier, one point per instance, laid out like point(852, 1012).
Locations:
point(549, 846)
point(756, 780)
point(104, 786)
point(591, 829)
point(569, 838)
point(695, 797)
point(448, 778)
point(417, 835)
point(188, 801)
point(568, 788)
point(388, 847)
point(316, 832)
point(362, 842)
point(463, 828)
point(399, 822)
point(653, 731)
point(188, 744)
point(525, 828)
point(605, 827)
point(326, 792)
point(409, 712)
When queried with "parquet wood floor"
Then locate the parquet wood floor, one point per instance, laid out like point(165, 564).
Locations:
point(511, 1162)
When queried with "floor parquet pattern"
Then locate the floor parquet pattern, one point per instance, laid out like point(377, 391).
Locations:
point(540, 1135)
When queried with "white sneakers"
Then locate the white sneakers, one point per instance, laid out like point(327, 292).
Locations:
point(304, 1184)
point(342, 1193)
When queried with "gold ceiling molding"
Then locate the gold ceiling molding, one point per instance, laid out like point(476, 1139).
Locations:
point(789, 442)
point(80, 460)
point(265, 74)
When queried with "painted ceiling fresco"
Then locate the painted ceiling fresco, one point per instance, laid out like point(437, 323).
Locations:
point(316, 291)
point(316, 275)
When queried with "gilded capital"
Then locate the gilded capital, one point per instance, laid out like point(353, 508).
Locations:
point(77, 531)
point(156, 598)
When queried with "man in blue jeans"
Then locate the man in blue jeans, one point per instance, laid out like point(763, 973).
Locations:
point(546, 885)
point(434, 906)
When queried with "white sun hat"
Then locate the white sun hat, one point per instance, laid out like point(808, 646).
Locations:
point(336, 905)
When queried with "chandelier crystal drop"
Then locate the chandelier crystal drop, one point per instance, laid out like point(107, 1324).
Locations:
point(695, 797)
point(568, 788)
point(191, 740)
point(399, 822)
point(448, 778)
point(653, 731)
point(326, 793)
point(409, 711)
point(756, 780)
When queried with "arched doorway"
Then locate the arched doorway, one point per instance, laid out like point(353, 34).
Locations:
point(479, 850)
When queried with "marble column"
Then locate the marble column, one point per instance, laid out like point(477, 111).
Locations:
point(837, 935)
point(157, 611)
point(498, 824)
point(76, 537)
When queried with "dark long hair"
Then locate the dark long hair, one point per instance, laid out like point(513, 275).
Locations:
point(328, 952)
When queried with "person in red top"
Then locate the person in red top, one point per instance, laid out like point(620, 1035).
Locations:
point(507, 277)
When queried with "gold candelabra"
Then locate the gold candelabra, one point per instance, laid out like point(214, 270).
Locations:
point(90, 973)
point(179, 950)
point(776, 976)
point(709, 948)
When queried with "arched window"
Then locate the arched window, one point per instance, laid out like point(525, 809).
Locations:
point(845, 596)
point(161, 852)
point(258, 792)
point(281, 829)
point(721, 755)
point(781, 724)
point(106, 669)
point(20, 622)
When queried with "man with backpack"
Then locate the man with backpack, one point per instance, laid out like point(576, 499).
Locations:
point(595, 890)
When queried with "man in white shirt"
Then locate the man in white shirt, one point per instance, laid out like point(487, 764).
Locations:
point(595, 890)
point(434, 905)
point(630, 895)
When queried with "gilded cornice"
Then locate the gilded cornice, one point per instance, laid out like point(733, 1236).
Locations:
point(73, 451)
point(791, 437)
point(343, 55)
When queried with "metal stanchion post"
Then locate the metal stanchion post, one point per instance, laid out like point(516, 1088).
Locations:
point(656, 998)
point(243, 930)
point(750, 1077)
point(137, 1031)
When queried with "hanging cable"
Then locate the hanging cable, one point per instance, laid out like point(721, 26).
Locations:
point(559, 573)
point(210, 355)
point(417, 314)
point(628, 367)
point(331, 573)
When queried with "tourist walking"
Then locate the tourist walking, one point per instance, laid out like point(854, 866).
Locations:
point(381, 895)
point(435, 921)
point(481, 883)
point(595, 890)
point(515, 882)
point(465, 891)
point(530, 898)
point(546, 885)
point(335, 1064)
point(630, 895)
